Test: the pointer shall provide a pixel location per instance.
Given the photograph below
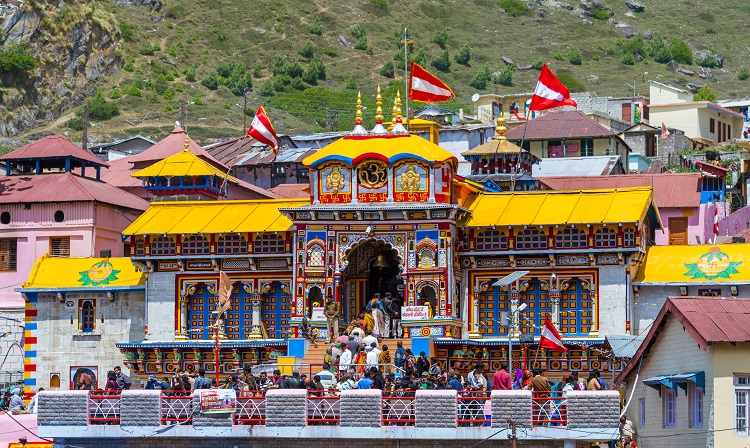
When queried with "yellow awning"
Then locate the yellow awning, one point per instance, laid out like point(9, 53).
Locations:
point(80, 273)
point(193, 217)
point(707, 264)
point(387, 148)
point(184, 163)
point(561, 207)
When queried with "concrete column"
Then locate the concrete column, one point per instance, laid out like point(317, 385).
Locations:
point(361, 408)
point(436, 409)
point(286, 407)
point(593, 409)
point(140, 408)
point(181, 333)
point(511, 405)
point(67, 408)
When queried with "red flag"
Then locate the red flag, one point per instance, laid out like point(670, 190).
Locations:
point(664, 132)
point(716, 221)
point(426, 87)
point(550, 92)
point(225, 291)
point(550, 337)
point(261, 129)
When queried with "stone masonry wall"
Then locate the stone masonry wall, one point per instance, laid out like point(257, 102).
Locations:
point(511, 405)
point(137, 408)
point(436, 408)
point(69, 408)
point(593, 409)
point(360, 408)
point(286, 407)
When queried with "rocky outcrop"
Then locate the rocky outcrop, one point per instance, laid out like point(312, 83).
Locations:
point(152, 5)
point(73, 52)
point(635, 6)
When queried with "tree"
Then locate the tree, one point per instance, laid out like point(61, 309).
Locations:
point(463, 56)
point(505, 77)
point(387, 70)
point(705, 93)
point(680, 51)
point(575, 57)
point(440, 38)
point(481, 78)
point(442, 62)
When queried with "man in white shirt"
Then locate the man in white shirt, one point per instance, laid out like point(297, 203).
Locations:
point(369, 339)
point(345, 360)
point(372, 358)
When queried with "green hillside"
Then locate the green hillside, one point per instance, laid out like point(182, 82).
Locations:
point(306, 60)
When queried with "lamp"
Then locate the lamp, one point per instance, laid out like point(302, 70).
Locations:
point(102, 318)
point(60, 297)
point(683, 290)
point(734, 290)
point(110, 296)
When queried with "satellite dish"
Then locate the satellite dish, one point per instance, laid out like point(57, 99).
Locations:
point(475, 97)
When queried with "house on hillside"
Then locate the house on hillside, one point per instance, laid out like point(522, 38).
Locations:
point(698, 119)
point(122, 148)
point(689, 379)
point(568, 133)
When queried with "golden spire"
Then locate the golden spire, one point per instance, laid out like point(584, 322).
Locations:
point(379, 109)
point(187, 141)
point(358, 128)
point(394, 114)
point(398, 105)
point(398, 127)
point(500, 130)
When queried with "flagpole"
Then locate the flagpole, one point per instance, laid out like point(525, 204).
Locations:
point(518, 161)
point(406, 73)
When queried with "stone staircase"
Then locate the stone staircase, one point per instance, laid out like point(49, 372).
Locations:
point(314, 355)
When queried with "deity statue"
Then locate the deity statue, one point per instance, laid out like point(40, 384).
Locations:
point(410, 180)
point(335, 180)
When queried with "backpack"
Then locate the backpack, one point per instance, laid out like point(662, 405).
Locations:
point(387, 306)
point(400, 358)
point(435, 369)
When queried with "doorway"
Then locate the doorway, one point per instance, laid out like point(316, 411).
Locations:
point(373, 267)
point(678, 233)
point(428, 297)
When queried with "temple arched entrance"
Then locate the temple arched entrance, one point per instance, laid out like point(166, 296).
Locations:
point(372, 266)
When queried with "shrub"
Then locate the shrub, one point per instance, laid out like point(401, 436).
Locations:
point(127, 32)
point(315, 27)
point(537, 64)
point(705, 93)
point(170, 25)
point(266, 89)
point(574, 56)
point(115, 94)
point(175, 12)
point(149, 49)
point(190, 40)
point(133, 91)
point(421, 57)
point(189, 73)
point(226, 106)
point(298, 84)
point(569, 81)
point(361, 43)
point(16, 59)
point(680, 51)
point(315, 70)
point(278, 67)
point(235, 77)
point(211, 80)
point(160, 85)
point(75, 124)
point(359, 30)
point(708, 60)
point(744, 74)
point(440, 38)
point(380, 4)
point(628, 58)
point(558, 56)
point(707, 17)
point(257, 69)
point(179, 87)
point(197, 100)
point(442, 62)
point(351, 82)
point(610, 51)
point(280, 82)
point(168, 108)
point(330, 51)
point(463, 56)
point(387, 70)
point(514, 8)
point(294, 70)
point(307, 50)
point(505, 77)
point(595, 57)
point(600, 13)
point(169, 95)
point(481, 78)
point(100, 108)
point(172, 51)
point(635, 45)
point(129, 66)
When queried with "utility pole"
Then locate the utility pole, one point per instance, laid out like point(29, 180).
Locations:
point(406, 41)
point(244, 111)
point(183, 116)
point(85, 135)
point(513, 436)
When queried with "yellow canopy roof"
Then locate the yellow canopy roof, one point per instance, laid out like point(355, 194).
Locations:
point(184, 163)
point(705, 264)
point(561, 207)
point(192, 217)
point(80, 273)
point(494, 146)
point(389, 148)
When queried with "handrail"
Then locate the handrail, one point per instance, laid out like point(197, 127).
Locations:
point(251, 407)
point(549, 408)
point(471, 409)
point(104, 407)
point(398, 408)
point(176, 407)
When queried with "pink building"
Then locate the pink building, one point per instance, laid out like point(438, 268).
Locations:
point(46, 208)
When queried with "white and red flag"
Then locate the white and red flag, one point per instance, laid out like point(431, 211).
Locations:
point(426, 87)
point(550, 92)
point(550, 337)
point(716, 221)
point(261, 129)
point(664, 132)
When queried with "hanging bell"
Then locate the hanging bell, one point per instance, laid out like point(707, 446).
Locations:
point(380, 262)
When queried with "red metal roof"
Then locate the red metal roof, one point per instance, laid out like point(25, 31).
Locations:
point(52, 146)
point(119, 174)
point(64, 187)
point(170, 145)
point(292, 191)
point(563, 124)
point(229, 150)
point(675, 190)
point(706, 319)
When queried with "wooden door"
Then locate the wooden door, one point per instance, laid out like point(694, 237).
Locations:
point(678, 231)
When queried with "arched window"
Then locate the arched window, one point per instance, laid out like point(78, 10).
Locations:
point(628, 237)
point(140, 248)
point(569, 238)
point(606, 237)
point(163, 246)
point(269, 243)
point(316, 256)
point(196, 245)
point(426, 258)
point(531, 239)
point(492, 240)
point(88, 314)
point(232, 243)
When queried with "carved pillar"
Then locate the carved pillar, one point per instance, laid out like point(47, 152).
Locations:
point(474, 332)
point(355, 188)
point(594, 293)
point(256, 332)
point(554, 297)
point(181, 334)
point(431, 170)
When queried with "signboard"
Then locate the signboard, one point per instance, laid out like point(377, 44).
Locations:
point(414, 313)
point(317, 313)
point(217, 401)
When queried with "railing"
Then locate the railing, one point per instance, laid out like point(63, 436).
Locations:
point(322, 409)
point(251, 407)
point(471, 409)
point(548, 408)
point(398, 408)
point(176, 407)
point(104, 407)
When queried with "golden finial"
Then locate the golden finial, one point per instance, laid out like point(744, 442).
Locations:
point(398, 105)
point(394, 114)
point(358, 120)
point(379, 109)
point(187, 141)
point(500, 130)
point(398, 127)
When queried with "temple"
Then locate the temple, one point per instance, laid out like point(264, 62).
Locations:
point(386, 213)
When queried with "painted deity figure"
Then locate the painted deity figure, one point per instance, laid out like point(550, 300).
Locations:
point(335, 180)
point(410, 180)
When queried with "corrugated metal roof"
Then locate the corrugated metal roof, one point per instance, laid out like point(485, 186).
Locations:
point(52, 146)
point(558, 125)
point(623, 345)
point(170, 145)
point(292, 191)
point(184, 163)
point(670, 189)
point(64, 187)
point(576, 166)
